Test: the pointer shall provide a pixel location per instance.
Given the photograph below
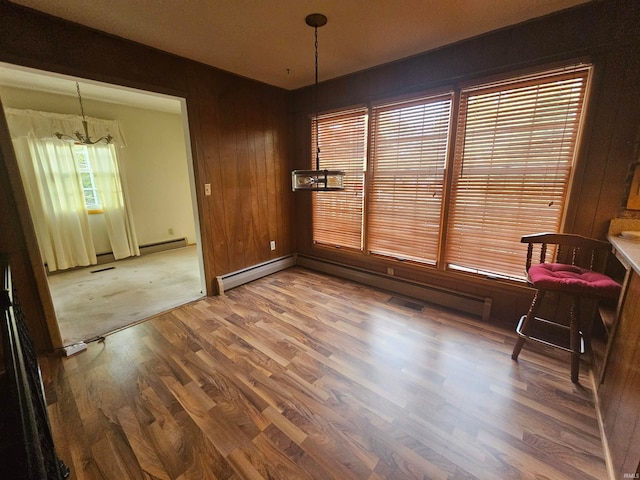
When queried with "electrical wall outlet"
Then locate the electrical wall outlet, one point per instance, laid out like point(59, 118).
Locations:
point(170, 231)
point(207, 189)
point(273, 244)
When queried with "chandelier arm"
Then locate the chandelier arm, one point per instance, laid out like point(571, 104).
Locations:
point(62, 136)
point(79, 138)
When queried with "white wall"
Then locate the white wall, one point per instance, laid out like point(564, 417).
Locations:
point(155, 164)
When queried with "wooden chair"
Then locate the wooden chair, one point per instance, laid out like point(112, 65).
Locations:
point(575, 271)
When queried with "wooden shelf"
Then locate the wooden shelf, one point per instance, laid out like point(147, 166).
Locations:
point(608, 316)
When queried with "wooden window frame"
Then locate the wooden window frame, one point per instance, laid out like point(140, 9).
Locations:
point(522, 135)
point(446, 259)
point(338, 216)
point(422, 124)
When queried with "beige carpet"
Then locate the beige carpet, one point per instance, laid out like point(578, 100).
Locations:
point(124, 292)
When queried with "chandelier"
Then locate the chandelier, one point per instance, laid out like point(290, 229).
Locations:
point(78, 137)
point(318, 180)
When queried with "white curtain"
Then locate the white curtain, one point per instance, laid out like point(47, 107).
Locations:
point(54, 189)
point(113, 198)
point(54, 193)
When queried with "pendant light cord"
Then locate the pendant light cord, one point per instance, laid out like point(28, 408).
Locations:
point(80, 100)
point(316, 103)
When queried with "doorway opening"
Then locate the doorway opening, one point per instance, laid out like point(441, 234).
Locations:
point(92, 301)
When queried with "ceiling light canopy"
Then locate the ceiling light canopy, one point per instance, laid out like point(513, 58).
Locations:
point(78, 137)
point(317, 180)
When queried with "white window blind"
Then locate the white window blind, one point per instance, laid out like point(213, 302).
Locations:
point(408, 155)
point(337, 216)
point(515, 147)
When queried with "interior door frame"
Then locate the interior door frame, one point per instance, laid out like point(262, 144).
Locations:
point(27, 263)
point(27, 268)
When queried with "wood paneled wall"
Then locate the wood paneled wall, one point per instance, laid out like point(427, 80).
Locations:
point(618, 394)
point(603, 32)
point(239, 133)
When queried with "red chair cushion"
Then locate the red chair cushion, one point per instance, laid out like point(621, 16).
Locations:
point(572, 279)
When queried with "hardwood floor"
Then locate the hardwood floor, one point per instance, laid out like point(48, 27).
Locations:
point(304, 376)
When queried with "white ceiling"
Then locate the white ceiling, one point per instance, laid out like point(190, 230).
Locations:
point(268, 40)
point(30, 79)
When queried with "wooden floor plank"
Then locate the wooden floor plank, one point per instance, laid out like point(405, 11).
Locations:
point(300, 375)
point(143, 449)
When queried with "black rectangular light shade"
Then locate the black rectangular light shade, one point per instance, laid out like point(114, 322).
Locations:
point(319, 180)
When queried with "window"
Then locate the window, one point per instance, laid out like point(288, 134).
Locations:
point(91, 197)
point(337, 216)
point(461, 206)
point(408, 157)
point(516, 145)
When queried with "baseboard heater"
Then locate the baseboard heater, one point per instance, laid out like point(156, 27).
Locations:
point(237, 278)
point(462, 302)
point(162, 246)
point(148, 248)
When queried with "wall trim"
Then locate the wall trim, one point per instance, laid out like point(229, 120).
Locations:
point(162, 246)
point(246, 275)
point(463, 302)
point(108, 257)
point(608, 458)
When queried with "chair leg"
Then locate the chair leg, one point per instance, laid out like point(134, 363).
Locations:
point(531, 315)
point(574, 332)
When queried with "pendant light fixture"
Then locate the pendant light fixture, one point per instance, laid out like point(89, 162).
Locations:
point(79, 138)
point(318, 180)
